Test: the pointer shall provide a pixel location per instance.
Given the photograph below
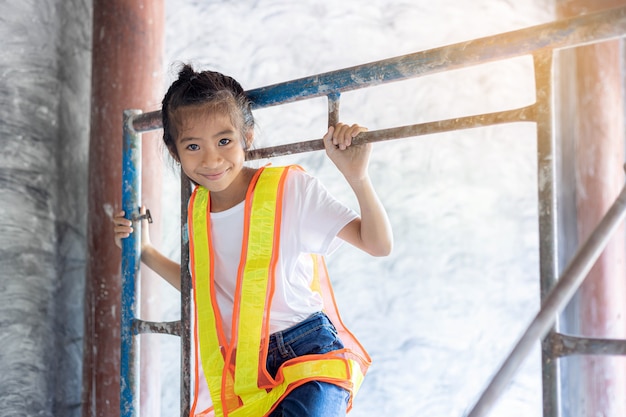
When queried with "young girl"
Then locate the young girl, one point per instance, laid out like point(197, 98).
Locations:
point(262, 330)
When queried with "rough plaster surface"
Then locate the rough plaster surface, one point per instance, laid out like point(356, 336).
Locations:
point(44, 98)
point(28, 133)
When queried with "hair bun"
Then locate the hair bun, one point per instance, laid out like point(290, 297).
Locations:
point(187, 73)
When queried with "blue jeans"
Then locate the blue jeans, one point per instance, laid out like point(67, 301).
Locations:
point(316, 334)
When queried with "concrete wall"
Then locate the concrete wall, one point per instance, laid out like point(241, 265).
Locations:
point(44, 108)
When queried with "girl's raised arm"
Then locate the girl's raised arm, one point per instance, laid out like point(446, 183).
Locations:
point(372, 232)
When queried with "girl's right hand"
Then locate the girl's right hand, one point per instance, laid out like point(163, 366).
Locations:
point(152, 258)
point(123, 227)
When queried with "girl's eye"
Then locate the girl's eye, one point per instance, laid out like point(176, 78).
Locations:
point(193, 147)
point(224, 141)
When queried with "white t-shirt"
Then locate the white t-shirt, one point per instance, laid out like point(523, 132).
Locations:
point(311, 219)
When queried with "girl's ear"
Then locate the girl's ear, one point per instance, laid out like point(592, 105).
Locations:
point(249, 138)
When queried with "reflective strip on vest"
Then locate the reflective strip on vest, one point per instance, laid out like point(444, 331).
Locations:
point(236, 377)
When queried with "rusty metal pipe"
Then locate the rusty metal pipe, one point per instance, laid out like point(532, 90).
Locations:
point(161, 327)
point(524, 114)
point(566, 345)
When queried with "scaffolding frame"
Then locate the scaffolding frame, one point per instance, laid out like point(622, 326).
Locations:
point(540, 42)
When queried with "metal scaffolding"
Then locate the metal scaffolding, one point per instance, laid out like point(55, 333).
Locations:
point(540, 42)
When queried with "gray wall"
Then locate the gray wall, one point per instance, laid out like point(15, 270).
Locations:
point(44, 124)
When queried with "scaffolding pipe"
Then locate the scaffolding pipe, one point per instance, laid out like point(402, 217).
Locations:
point(547, 212)
point(566, 345)
point(559, 296)
point(524, 114)
point(131, 254)
point(593, 27)
point(555, 35)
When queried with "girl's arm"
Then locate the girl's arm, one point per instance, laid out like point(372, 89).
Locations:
point(151, 257)
point(372, 232)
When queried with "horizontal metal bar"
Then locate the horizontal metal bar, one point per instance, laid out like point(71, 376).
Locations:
point(565, 345)
point(565, 33)
point(523, 114)
point(145, 122)
point(555, 35)
point(553, 304)
point(162, 327)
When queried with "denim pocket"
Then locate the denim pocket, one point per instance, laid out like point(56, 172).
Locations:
point(320, 339)
point(315, 335)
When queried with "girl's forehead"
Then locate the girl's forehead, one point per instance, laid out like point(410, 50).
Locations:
point(193, 119)
point(189, 116)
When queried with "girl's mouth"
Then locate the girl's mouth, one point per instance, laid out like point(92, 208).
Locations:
point(215, 176)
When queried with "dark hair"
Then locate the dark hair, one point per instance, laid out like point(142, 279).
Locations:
point(209, 91)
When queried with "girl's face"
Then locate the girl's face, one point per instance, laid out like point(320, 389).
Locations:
point(211, 153)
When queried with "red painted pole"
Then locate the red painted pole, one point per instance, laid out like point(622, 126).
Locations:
point(126, 73)
point(599, 165)
point(599, 127)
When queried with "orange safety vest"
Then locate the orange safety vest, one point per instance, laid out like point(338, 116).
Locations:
point(235, 372)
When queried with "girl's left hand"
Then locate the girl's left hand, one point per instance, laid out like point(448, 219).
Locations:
point(351, 160)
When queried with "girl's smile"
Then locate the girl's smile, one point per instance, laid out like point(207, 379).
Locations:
point(214, 177)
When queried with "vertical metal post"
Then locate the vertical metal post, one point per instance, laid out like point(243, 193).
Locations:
point(546, 177)
point(185, 301)
point(131, 253)
point(333, 108)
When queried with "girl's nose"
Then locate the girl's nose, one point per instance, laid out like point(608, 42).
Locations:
point(211, 159)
